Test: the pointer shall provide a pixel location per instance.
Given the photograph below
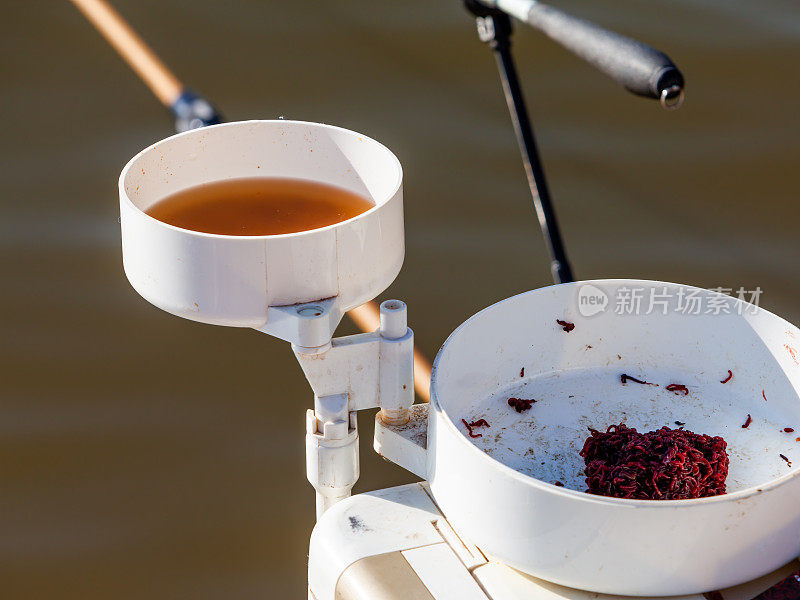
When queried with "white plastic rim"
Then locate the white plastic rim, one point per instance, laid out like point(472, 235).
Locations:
point(498, 490)
point(232, 280)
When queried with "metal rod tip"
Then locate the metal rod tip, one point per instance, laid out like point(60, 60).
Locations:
point(672, 97)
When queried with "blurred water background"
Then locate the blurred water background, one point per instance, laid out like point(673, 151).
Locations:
point(144, 456)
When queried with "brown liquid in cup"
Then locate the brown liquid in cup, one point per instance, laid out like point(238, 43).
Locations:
point(259, 206)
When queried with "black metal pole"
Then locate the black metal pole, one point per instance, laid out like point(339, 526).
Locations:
point(494, 28)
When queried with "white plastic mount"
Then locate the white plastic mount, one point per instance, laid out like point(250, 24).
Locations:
point(309, 325)
point(347, 374)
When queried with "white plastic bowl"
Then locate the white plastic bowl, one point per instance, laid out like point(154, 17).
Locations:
point(232, 280)
point(498, 490)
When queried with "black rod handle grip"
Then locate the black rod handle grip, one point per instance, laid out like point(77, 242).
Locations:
point(636, 66)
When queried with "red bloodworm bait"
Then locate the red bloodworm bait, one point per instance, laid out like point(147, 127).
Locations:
point(566, 325)
point(519, 404)
point(788, 462)
point(764, 395)
point(677, 388)
point(558, 484)
point(469, 430)
point(728, 378)
point(788, 430)
point(666, 464)
point(747, 421)
point(679, 423)
point(787, 589)
point(522, 372)
point(625, 378)
point(479, 423)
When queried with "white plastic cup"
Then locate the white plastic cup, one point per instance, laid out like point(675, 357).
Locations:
point(232, 280)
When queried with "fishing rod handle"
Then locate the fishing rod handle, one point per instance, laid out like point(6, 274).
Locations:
point(636, 66)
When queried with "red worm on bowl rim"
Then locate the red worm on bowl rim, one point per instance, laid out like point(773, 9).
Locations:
point(678, 388)
point(728, 378)
point(478, 423)
point(566, 325)
point(519, 404)
point(625, 378)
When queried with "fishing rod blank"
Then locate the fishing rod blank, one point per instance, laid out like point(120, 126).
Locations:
point(189, 109)
point(192, 111)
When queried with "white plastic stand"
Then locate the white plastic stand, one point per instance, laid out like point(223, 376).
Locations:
point(390, 543)
point(348, 374)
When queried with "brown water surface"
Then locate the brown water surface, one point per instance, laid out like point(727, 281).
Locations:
point(258, 206)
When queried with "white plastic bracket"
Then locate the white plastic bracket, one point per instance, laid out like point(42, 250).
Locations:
point(374, 369)
point(332, 465)
point(406, 444)
point(310, 325)
point(347, 374)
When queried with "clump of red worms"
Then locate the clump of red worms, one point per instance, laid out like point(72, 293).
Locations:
point(471, 426)
point(566, 325)
point(728, 378)
point(625, 378)
point(747, 421)
point(678, 388)
point(519, 404)
point(666, 464)
point(788, 589)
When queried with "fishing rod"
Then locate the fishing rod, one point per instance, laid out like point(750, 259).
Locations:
point(189, 109)
point(192, 111)
point(639, 68)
